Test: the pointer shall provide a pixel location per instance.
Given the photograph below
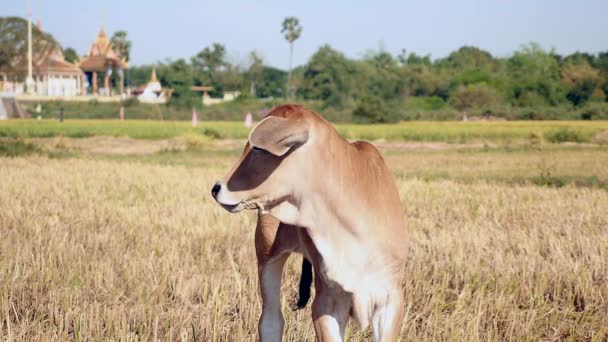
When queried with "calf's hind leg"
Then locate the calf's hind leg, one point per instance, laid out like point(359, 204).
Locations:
point(330, 312)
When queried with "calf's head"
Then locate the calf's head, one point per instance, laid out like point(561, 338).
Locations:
point(269, 167)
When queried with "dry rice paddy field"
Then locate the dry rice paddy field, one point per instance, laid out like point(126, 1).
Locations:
point(110, 238)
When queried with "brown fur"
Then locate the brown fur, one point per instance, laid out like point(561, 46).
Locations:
point(333, 201)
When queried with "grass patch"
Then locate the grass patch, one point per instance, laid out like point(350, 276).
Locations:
point(450, 132)
point(465, 132)
point(566, 135)
point(16, 148)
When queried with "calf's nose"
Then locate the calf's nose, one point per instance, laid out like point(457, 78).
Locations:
point(216, 189)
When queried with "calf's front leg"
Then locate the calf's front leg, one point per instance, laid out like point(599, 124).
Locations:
point(271, 324)
point(273, 244)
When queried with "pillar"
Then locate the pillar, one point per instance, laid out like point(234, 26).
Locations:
point(122, 81)
point(106, 84)
point(94, 82)
point(40, 85)
point(83, 90)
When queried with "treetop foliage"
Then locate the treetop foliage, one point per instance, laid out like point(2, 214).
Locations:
point(291, 29)
point(13, 43)
point(121, 44)
point(469, 79)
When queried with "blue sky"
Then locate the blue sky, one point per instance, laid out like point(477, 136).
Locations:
point(180, 28)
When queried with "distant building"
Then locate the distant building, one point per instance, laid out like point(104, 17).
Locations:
point(228, 96)
point(209, 101)
point(52, 74)
point(54, 77)
point(103, 59)
point(152, 92)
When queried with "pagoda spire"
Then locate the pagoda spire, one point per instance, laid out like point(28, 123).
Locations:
point(153, 78)
point(38, 22)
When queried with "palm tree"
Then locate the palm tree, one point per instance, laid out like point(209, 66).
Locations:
point(292, 31)
point(122, 44)
point(255, 71)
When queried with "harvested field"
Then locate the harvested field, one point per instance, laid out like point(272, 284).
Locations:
point(105, 246)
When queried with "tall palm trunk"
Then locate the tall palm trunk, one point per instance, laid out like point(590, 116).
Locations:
point(252, 88)
point(288, 92)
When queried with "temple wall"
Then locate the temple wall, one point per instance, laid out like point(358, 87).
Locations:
point(45, 86)
point(62, 86)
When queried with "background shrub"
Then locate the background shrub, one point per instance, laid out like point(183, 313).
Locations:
point(564, 135)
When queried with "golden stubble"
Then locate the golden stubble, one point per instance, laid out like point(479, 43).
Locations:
point(106, 250)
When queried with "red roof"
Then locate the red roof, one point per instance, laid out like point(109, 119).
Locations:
point(51, 61)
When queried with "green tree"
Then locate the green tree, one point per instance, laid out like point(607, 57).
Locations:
point(474, 96)
point(13, 44)
point(534, 77)
point(70, 55)
point(140, 75)
point(231, 78)
point(384, 79)
point(601, 62)
point(121, 44)
point(177, 75)
point(210, 60)
point(580, 58)
point(468, 57)
point(272, 82)
point(256, 67)
point(413, 58)
point(328, 77)
point(420, 81)
point(292, 31)
point(370, 109)
point(581, 81)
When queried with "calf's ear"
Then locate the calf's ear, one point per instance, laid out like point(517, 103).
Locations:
point(278, 135)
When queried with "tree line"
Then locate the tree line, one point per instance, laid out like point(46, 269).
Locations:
point(531, 83)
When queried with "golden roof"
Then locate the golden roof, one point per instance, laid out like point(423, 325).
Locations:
point(102, 54)
point(101, 44)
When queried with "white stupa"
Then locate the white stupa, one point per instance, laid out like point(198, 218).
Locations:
point(153, 91)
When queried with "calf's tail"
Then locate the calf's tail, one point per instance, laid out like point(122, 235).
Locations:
point(305, 283)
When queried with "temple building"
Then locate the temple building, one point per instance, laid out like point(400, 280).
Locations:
point(103, 59)
point(52, 74)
